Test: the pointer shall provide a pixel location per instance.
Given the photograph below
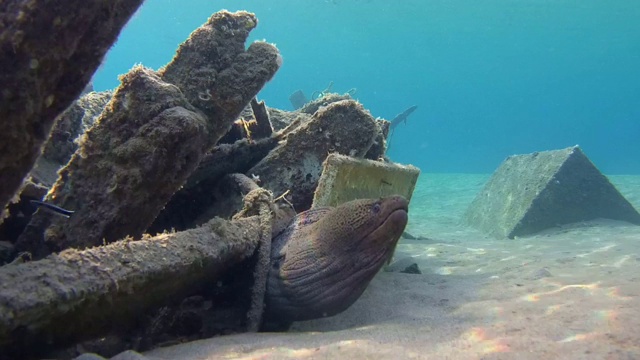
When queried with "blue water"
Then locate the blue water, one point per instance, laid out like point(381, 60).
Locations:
point(491, 78)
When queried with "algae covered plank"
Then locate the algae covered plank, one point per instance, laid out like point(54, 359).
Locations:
point(346, 178)
point(152, 136)
point(74, 295)
point(40, 78)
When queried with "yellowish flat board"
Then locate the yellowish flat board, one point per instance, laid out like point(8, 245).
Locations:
point(345, 178)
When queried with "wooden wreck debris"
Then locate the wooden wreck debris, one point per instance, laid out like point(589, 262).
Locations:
point(71, 124)
point(217, 74)
point(151, 138)
point(379, 148)
point(148, 131)
point(263, 128)
point(281, 119)
point(327, 98)
point(156, 135)
point(345, 178)
point(344, 127)
point(100, 289)
point(198, 194)
point(40, 78)
point(231, 158)
point(253, 124)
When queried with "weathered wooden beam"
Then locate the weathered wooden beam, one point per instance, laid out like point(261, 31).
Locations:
point(152, 136)
point(264, 128)
point(75, 295)
point(40, 77)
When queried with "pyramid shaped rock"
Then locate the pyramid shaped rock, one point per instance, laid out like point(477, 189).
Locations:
point(532, 192)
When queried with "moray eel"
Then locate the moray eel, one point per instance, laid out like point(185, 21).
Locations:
point(323, 261)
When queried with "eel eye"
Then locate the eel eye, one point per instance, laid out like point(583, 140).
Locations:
point(376, 208)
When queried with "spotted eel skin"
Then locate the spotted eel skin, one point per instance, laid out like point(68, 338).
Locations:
point(323, 261)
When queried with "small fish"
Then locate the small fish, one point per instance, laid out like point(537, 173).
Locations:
point(402, 117)
point(52, 208)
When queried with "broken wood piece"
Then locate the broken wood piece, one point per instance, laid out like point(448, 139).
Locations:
point(345, 178)
point(327, 98)
point(110, 287)
point(148, 131)
point(40, 77)
point(216, 73)
point(263, 128)
point(343, 127)
point(231, 158)
point(379, 147)
point(198, 195)
point(151, 137)
point(70, 126)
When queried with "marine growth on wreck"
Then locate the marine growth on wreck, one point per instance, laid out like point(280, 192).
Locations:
point(148, 219)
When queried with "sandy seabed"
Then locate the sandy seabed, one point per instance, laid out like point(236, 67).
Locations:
point(568, 293)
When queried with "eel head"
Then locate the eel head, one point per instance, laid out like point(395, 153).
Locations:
point(321, 267)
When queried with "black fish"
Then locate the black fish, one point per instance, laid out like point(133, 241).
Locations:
point(52, 208)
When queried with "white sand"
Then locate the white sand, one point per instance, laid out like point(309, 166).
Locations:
point(568, 293)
